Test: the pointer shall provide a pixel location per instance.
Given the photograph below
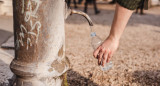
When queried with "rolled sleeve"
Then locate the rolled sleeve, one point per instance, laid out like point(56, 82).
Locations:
point(129, 4)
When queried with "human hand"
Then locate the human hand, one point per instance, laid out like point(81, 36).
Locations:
point(106, 50)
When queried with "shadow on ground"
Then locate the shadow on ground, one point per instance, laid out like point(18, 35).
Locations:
point(4, 35)
point(147, 77)
point(4, 73)
point(75, 79)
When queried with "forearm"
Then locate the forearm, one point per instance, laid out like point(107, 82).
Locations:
point(121, 17)
point(120, 20)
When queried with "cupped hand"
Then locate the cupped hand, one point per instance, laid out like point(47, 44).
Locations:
point(106, 50)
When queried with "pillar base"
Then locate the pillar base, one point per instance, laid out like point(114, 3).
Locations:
point(39, 82)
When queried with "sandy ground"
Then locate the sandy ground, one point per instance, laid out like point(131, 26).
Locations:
point(136, 63)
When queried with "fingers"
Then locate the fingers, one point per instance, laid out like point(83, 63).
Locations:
point(101, 53)
point(96, 52)
point(105, 56)
point(109, 56)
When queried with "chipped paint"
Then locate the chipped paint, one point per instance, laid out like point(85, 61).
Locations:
point(61, 51)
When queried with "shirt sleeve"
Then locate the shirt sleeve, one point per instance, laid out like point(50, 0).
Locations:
point(129, 4)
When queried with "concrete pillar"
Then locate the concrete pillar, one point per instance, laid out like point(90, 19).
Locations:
point(39, 42)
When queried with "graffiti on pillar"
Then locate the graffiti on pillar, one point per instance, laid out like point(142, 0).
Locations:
point(33, 31)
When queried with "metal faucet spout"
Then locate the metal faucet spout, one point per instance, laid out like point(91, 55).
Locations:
point(83, 14)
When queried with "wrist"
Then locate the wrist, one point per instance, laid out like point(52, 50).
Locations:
point(114, 38)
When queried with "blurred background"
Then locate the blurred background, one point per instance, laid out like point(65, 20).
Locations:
point(136, 63)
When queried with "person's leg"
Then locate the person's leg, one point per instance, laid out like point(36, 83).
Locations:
point(79, 1)
point(95, 7)
point(86, 6)
point(141, 8)
point(69, 2)
point(75, 4)
point(137, 10)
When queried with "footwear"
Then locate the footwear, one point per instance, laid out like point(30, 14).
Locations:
point(75, 7)
point(112, 2)
point(97, 12)
point(85, 11)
